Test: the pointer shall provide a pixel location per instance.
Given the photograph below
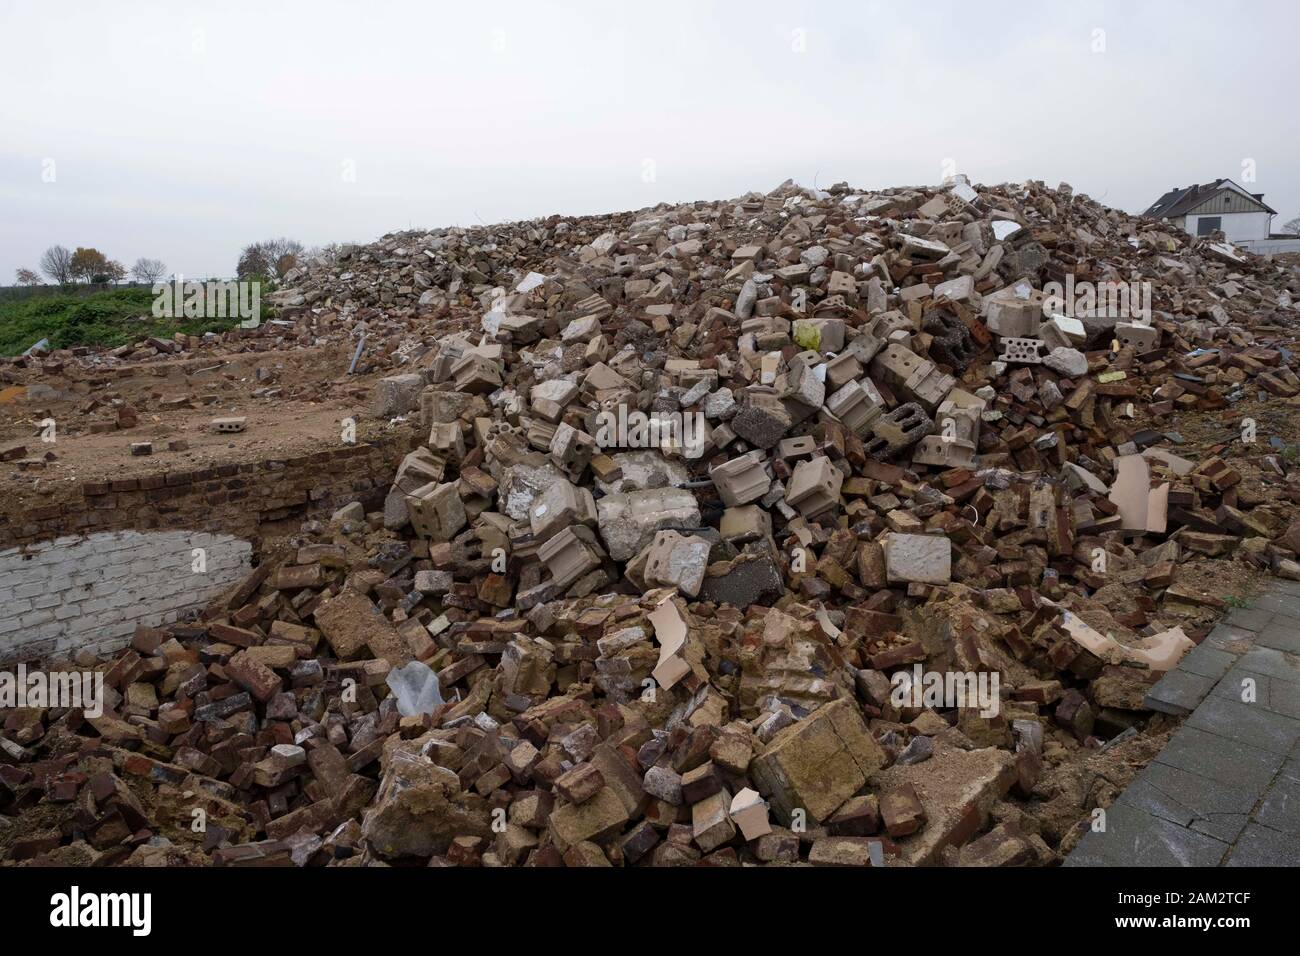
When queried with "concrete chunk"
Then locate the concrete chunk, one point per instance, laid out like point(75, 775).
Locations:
point(677, 561)
point(817, 763)
point(924, 558)
point(628, 521)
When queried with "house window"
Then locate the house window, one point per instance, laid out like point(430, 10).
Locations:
point(1207, 224)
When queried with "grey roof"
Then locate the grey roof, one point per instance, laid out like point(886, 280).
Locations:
point(1178, 201)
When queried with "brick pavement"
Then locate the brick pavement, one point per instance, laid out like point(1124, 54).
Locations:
point(1225, 791)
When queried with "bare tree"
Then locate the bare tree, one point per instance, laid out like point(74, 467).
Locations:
point(253, 262)
point(28, 277)
point(114, 271)
point(277, 249)
point(148, 271)
point(57, 264)
point(1292, 227)
point(327, 254)
point(271, 256)
point(283, 254)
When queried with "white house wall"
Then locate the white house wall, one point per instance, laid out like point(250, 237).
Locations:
point(1270, 247)
point(1237, 225)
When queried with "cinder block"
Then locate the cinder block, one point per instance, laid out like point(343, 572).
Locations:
point(742, 479)
point(814, 487)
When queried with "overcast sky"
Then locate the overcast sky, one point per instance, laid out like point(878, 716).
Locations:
point(182, 131)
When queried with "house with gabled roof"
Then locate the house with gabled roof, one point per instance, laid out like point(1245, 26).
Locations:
point(1200, 209)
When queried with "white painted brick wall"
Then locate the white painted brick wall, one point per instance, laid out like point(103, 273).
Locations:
point(59, 596)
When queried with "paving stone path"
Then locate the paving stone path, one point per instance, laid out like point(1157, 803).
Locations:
point(1225, 791)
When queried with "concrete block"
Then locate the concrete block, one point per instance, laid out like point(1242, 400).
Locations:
point(814, 487)
point(397, 395)
point(741, 480)
point(436, 510)
point(922, 558)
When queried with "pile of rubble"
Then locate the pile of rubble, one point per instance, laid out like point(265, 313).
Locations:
point(808, 527)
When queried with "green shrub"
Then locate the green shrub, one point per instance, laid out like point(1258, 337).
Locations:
point(110, 318)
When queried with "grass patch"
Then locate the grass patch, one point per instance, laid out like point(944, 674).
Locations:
point(111, 317)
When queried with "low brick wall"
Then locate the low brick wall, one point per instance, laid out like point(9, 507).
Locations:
point(91, 591)
point(84, 569)
point(231, 499)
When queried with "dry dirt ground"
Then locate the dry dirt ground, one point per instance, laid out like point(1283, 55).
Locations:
point(297, 405)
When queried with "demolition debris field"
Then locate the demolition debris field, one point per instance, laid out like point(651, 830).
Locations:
point(1003, 437)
